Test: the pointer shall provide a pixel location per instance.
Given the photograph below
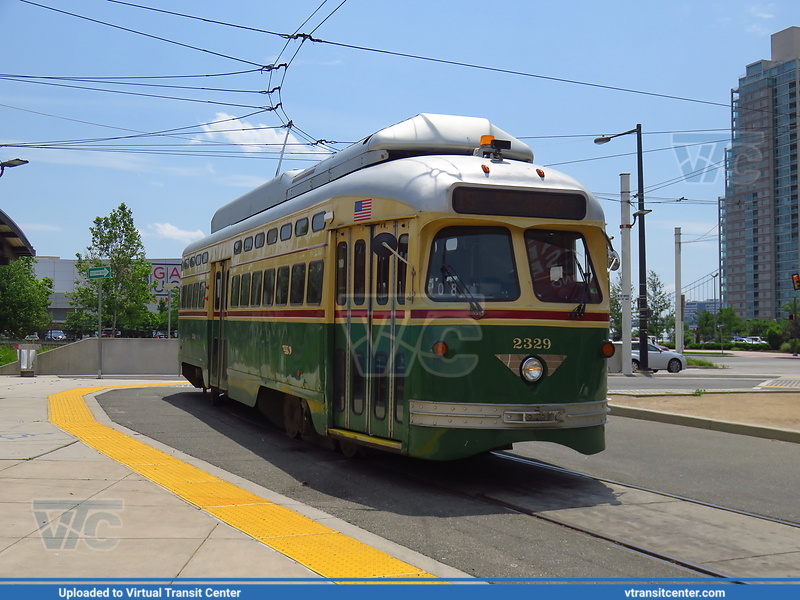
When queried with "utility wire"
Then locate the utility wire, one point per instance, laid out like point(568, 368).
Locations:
point(127, 93)
point(149, 35)
point(34, 78)
point(308, 37)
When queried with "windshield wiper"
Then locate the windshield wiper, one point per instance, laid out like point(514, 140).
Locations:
point(580, 310)
point(475, 309)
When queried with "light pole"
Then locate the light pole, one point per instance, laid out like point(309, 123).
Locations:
point(14, 162)
point(716, 312)
point(644, 312)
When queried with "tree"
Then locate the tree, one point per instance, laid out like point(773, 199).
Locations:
point(615, 307)
point(659, 303)
point(728, 322)
point(23, 298)
point(706, 326)
point(116, 244)
point(165, 322)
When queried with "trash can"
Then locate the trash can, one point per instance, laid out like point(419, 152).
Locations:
point(26, 354)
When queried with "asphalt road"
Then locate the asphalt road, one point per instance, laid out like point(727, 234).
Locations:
point(404, 500)
point(736, 372)
point(388, 495)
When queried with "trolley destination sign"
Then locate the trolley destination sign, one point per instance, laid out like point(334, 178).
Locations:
point(98, 273)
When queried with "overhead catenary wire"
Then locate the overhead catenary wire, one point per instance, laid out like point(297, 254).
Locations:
point(309, 37)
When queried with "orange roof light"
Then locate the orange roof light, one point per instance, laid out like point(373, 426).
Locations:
point(486, 140)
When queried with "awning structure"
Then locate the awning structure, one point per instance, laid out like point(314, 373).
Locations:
point(13, 243)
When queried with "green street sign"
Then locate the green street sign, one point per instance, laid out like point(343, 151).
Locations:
point(99, 273)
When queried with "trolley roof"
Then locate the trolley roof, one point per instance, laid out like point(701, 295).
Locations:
point(425, 134)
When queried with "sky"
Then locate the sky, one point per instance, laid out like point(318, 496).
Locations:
point(176, 116)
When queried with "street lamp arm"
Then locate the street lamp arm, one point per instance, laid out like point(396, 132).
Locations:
point(607, 138)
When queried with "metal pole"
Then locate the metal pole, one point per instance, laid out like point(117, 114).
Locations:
point(625, 285)
point(169, 314)
point(99, 328)
point(644, 363)
point(678, 303)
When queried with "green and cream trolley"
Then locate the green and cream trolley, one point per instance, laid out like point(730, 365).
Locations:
point(428, 291)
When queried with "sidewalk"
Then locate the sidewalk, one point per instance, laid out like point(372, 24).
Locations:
point(70, 511)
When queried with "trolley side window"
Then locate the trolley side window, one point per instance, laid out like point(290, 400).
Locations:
point(255, 296)
point(269, 286)
point(217, 289)
point(561, 267)
point(298, 283)
point(359, 272)
point(315, 273)
point(244, 299)
point(341, 273)
point(235, 284)
point(382, 283)
point(282, 286)
point(472, 263)
point(402, 268)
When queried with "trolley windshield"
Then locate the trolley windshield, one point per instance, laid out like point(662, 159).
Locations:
point(471, 264)
point(561, 267)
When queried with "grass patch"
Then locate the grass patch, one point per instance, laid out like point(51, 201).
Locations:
point(7, 355)
point(703, 364)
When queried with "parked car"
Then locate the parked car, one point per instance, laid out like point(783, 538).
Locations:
point(55, 335)
point(34, 337)
point(737, 339)
point(658, 359)
point(110, 333)
point(753, 339)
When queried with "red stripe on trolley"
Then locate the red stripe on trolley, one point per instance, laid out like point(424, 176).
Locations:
point(541, 315)
point(309, 314)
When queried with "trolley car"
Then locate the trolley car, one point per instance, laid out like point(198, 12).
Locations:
point(428, 291)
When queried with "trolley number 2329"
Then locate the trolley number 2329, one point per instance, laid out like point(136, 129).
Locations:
point(532, 344)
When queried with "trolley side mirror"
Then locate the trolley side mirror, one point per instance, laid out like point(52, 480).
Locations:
point(384, 244)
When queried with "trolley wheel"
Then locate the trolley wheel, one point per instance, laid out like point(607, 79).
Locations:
point(674, 366)
point(635, 364)
point(348, 448)
point(292, 416)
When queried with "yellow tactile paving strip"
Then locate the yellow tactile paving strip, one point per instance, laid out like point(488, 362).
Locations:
point(313, 545)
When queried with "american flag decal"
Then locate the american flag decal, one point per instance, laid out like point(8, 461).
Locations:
point(362, 210)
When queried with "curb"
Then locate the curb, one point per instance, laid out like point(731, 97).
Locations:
point(770, 433)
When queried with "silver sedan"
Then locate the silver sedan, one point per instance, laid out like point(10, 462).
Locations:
point(658, 359)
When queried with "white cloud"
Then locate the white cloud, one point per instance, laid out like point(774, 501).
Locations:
point(38, 227)
point(763, 11)
point(168, 231)
point(254, 137)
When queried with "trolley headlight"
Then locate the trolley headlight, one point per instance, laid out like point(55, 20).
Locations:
point(531, 369)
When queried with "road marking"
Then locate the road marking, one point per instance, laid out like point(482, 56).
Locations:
point(317, 547)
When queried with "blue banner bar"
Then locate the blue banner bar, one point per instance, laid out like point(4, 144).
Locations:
point(473, 589)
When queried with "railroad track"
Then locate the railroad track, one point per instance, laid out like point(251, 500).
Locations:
point(594, 509)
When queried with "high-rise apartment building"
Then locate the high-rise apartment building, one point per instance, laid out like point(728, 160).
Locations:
point(759, 248)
